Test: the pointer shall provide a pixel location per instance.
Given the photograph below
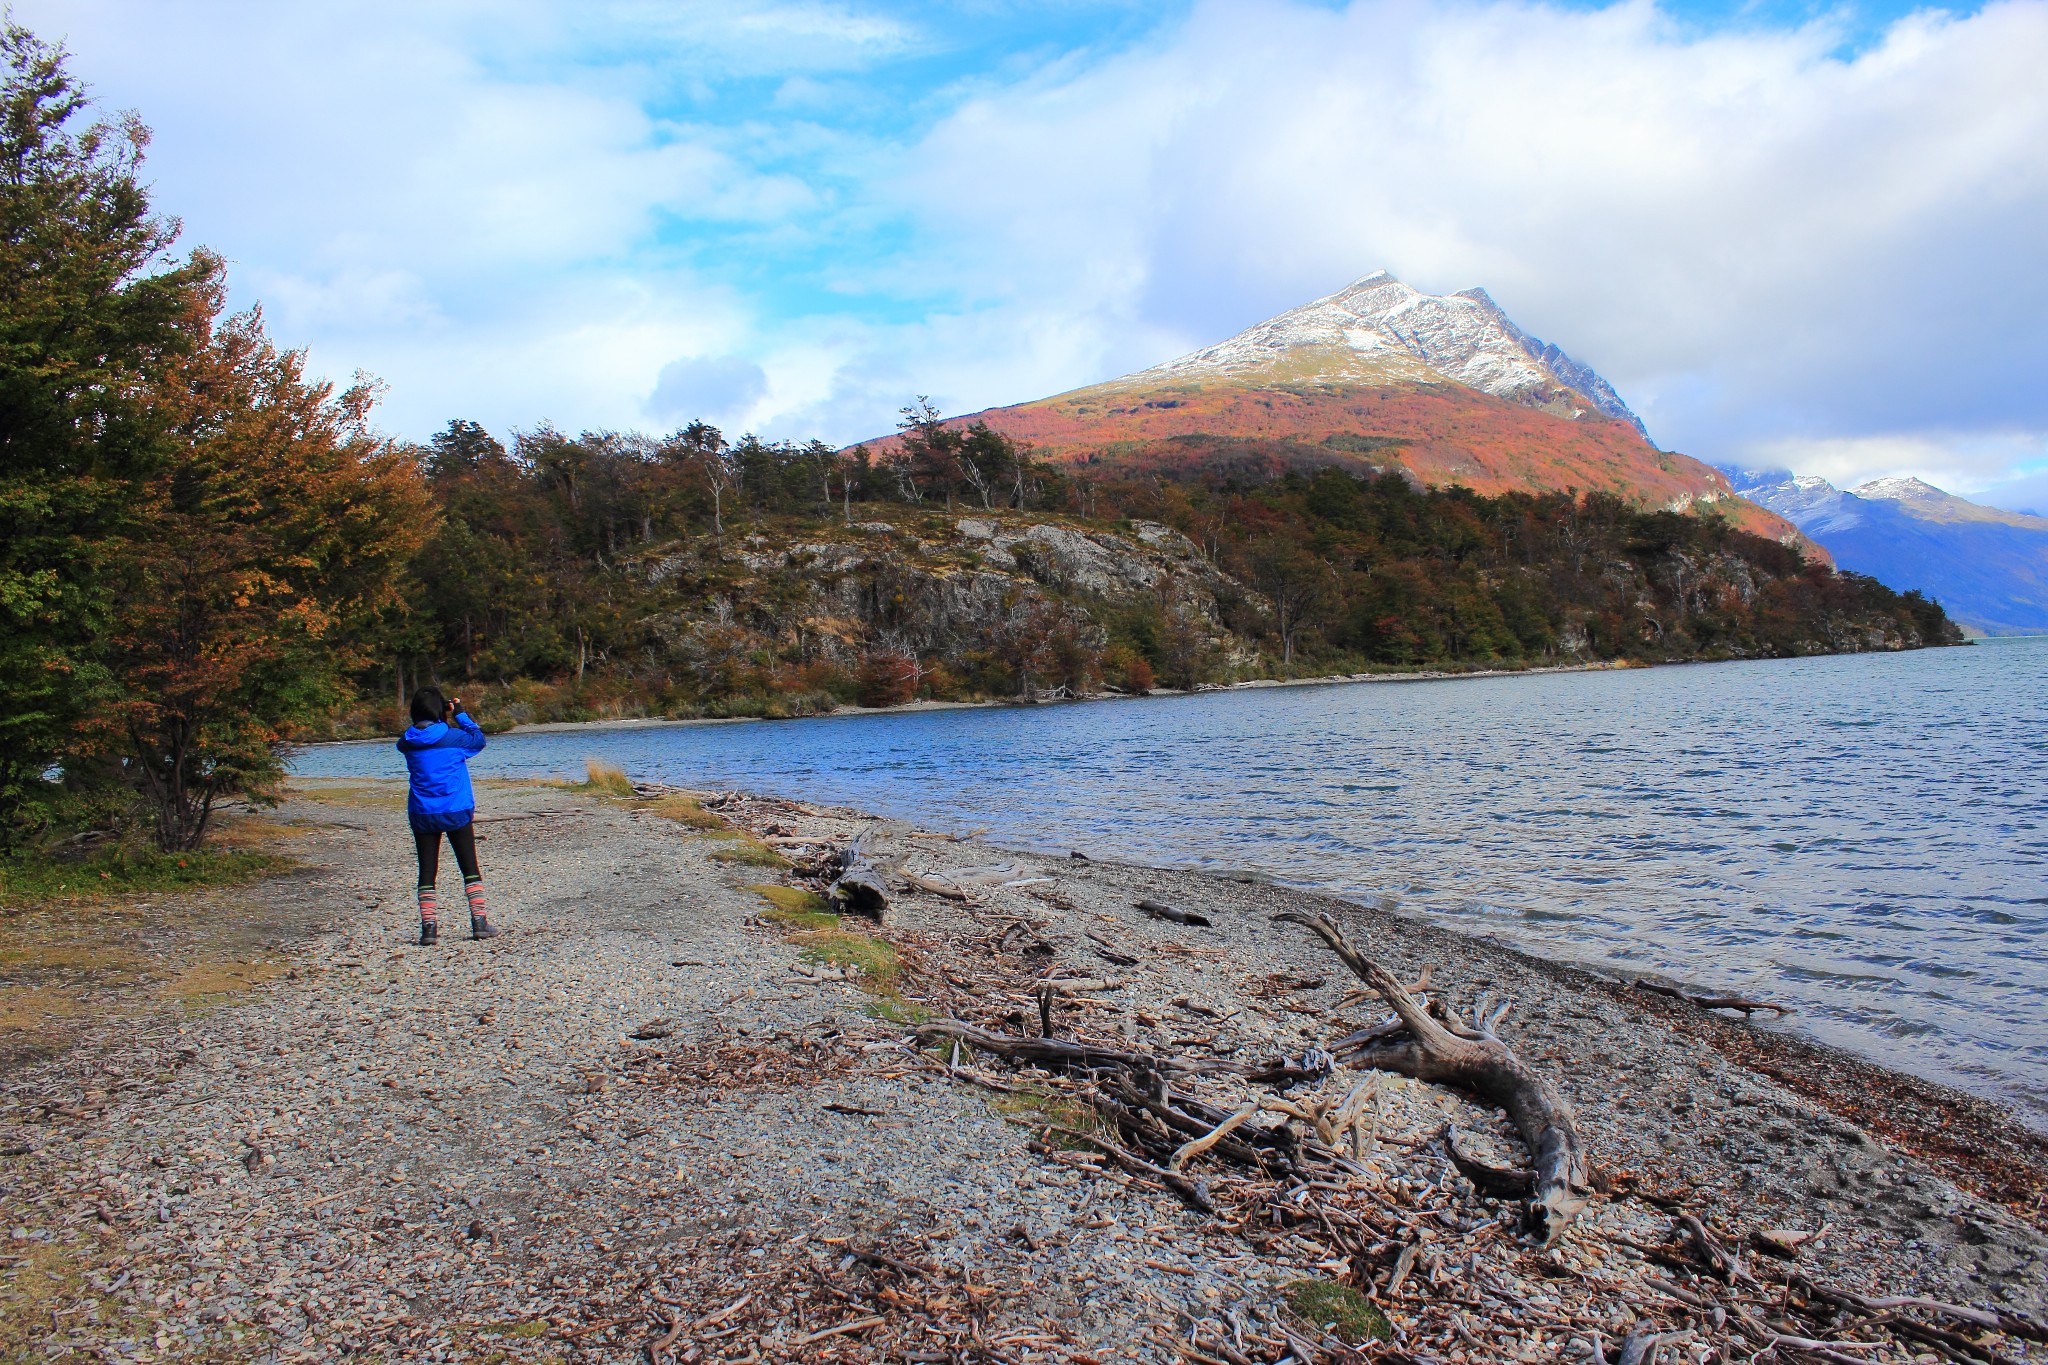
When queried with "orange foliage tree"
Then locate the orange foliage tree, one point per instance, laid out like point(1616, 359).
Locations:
point(268, 541)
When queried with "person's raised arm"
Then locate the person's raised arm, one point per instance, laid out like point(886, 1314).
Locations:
point(472, 733)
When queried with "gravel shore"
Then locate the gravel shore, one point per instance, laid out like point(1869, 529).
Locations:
point(668, 1113)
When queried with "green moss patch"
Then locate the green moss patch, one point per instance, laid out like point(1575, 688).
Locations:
point(685, 810)
point(797, 909)
point(873, 958)
point(536, 1327)
point(1337, 1308)
point(30, 878)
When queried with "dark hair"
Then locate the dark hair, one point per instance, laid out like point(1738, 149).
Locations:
point(428, 706)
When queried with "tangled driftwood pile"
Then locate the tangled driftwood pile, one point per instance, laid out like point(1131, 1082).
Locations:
point(1467, 1260)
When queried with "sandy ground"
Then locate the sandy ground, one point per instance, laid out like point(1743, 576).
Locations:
point(644, 1107)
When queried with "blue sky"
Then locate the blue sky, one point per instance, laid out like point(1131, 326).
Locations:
point(1789, 234)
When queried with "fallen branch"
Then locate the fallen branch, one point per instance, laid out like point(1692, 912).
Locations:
point(1191, 1193)
point(1197, 1146)
point(1061, 1053)
point(1709, 1001)
point(656, 1351)
point(1161, 910)
point(1484, 1066)
point(933, 886)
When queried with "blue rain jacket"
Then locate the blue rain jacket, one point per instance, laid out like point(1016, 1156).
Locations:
point(437, 761)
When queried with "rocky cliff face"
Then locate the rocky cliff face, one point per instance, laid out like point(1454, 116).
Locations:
point(959, 594)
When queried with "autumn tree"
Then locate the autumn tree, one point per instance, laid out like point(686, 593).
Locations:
point(1296, 581)
point(91, 308)
point(195, 540)
point(277, 530)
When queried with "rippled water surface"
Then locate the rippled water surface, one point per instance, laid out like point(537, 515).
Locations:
point(1861, 836)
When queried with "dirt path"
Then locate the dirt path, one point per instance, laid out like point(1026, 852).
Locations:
point(464, 1153)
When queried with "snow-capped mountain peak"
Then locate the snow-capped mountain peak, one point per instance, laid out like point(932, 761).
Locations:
point(1379, 330)
point(1903, 488)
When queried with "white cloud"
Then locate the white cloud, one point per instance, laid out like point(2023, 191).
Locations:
point(527, 210)
point(1749, 234)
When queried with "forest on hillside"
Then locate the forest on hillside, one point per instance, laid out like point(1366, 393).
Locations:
point(207, 553)
point(614, 575)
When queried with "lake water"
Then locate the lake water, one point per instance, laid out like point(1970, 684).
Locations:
point(1859, 836)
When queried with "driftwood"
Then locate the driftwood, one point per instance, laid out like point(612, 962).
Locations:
point(859, 887)
point(1110, 951)
point(932, 886)
point(1472, 1059)
point(1711, 1001)
point(1058, 1052)
point(1161, 910)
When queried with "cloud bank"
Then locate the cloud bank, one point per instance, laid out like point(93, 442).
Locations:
point(1779, 246)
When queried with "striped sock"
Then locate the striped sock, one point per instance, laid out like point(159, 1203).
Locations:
point(473, 887)
point(430, 905)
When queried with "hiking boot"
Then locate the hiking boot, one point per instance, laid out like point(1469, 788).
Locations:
point(430, 934)
point(481, 928)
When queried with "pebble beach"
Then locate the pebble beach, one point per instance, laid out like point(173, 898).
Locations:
point(678, 1113)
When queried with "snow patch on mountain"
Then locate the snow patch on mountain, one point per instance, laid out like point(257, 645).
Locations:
point(1924, 501)
point(1380, 330)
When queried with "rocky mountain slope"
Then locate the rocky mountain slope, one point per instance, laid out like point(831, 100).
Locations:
point(1380, 331)
point(1989, 567)
point(1444, 387)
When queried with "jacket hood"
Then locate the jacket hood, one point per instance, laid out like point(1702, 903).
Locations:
point(426, 734)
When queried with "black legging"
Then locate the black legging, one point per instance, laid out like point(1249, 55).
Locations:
point(427, 842)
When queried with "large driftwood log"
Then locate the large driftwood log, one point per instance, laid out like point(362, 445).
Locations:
point(859, 887)
point(1061, 1053)
point(1473, 1060)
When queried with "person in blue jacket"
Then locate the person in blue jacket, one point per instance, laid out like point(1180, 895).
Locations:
point(437, 751)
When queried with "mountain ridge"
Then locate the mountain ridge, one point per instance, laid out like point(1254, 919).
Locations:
point(1378, 375)
point(1987, 566)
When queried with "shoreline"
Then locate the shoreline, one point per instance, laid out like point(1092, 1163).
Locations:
point(1008, 703)
point(1932, 1117)
point(1013, 703)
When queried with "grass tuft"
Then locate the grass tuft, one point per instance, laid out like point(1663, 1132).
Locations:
point(894, 1009)
point(208, 984)
point(604, 779)
point(748, 852)
point(1038, 1107)
point(873, 958)
point(794, 908)
point(1338, 1308)
point(685, 810)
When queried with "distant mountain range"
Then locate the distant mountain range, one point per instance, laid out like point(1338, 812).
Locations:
point(1445, 387)
point(1987, 566)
